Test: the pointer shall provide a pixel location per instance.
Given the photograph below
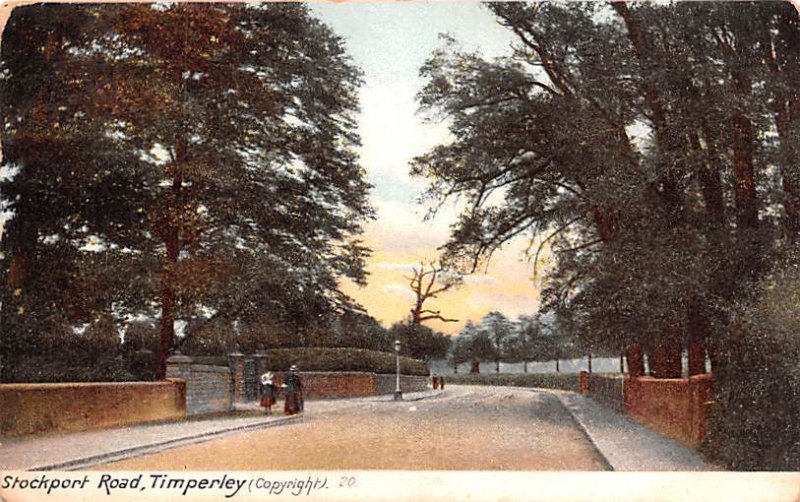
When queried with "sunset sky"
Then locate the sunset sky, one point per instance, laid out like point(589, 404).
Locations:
point(390, 41)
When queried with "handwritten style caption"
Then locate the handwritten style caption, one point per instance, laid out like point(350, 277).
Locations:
point(237, 485)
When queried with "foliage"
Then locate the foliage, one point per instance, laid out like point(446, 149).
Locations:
point(757, 394)
point(651, 148)
point(607, 116)
point(419, 342)
point(193, 160)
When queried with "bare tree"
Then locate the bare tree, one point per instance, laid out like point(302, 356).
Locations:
point(428, 282)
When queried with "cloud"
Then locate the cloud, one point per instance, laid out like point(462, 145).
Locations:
point(399, 290)
point(483, 280)
point(403, 267)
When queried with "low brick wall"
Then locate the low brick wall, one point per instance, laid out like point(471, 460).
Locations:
point(65, 407)
point(677, 407)
point(386, 384)
point(320, 384)
point(334, 384)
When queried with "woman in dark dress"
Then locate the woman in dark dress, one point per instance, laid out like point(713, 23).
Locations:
point(293, 387)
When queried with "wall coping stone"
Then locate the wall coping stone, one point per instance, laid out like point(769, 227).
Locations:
point(50, 385)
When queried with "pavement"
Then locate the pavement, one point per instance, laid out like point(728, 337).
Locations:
point(627, 445)
point(623, 443)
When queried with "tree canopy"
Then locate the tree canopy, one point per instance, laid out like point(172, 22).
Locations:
point(180, 161)
point(651, 148)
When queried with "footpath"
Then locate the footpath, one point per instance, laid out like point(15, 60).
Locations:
point(623, 443)
point(627, 445)
point(80, 450)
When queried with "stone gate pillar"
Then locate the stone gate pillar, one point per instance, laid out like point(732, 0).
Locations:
point(260, 358)
point(179, 366)
point(236, 364)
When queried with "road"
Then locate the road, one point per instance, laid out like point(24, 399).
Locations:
point(464, 428)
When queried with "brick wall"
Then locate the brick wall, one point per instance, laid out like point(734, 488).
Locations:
point(65, 407)
point(354, 384)
point(677, 407)
point(386, 384)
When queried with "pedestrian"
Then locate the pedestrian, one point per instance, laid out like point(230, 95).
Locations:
point(441, 382)
point(269, 393)
point(293, 387)
point(435, 381)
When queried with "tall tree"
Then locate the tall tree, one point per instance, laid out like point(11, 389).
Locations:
point(604, 117)
point(228, 132)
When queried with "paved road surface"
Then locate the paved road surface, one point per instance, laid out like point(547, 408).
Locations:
point(466, 428)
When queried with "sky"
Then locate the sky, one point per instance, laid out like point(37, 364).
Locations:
point(389, 42)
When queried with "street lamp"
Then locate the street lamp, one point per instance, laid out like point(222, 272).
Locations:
point(398, 394)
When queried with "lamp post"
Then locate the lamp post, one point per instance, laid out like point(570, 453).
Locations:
point(398, 394)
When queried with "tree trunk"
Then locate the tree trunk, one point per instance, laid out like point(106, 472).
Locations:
point(475, 367)
point(674, 352)
point(524, 366)
point(709, 175)
point(558, 370)
point(635, 357)
point(698, 330)
point(744, 193)
point(665, 355)
point(497, 366)
point(169, 232)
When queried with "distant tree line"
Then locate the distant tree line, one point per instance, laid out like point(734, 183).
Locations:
point(498, 339)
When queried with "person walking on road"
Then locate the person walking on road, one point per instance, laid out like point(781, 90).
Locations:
point(293, 387)
point(269, 393)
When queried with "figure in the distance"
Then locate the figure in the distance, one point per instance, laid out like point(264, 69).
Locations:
point(269, 393)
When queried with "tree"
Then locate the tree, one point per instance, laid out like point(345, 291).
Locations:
point(364, 331)
point(498, 328)
point(472, 345)
point(427, 282)
point(216, 144)
point(551, 129)
point(420, 342)
point(650, 147)
point(522, 345)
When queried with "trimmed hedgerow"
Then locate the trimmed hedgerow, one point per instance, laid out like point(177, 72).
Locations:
point(562, 381)
point(332, 359)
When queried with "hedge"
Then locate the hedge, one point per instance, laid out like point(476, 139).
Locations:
point(331, 359)
point(562, 381)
